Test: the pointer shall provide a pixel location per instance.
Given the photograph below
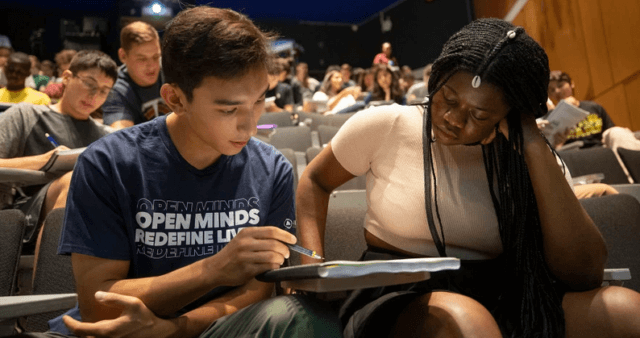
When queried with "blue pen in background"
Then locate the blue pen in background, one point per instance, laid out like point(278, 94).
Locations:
point(52, 140)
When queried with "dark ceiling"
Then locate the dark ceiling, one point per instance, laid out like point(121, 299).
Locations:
point(333, 11)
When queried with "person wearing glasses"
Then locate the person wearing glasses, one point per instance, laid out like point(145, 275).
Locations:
point(136, 95)
point(23, 130)
point(17, 70)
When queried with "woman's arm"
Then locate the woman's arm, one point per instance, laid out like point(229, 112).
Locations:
point(321, 176)
point(573, 246)
point(333, 102)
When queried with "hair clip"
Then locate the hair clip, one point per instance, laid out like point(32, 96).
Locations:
point(476, 81)
point(511, 34)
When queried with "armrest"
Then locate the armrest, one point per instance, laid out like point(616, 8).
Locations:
point(18, 306)
point(616, 276)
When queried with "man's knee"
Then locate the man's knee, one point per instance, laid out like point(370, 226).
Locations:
point(58, 190)
point(302, 316)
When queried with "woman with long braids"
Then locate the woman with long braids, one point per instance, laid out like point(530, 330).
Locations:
point(497, 198)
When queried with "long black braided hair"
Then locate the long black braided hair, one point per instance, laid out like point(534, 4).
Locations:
point(502, 54)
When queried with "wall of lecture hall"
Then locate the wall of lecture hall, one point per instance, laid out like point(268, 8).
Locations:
point(596, 41)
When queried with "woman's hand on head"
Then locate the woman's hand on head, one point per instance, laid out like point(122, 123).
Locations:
point(529, 128)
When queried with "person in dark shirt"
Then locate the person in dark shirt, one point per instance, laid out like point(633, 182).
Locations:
point(589, 130)
point(280, 94)
point(136, 95)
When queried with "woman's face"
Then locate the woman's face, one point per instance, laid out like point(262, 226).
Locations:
point(384, 79)
point(462, 114)
point(336, 81)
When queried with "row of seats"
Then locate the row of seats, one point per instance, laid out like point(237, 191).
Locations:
point(601, 160)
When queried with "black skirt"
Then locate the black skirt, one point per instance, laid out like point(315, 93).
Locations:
point(366, 312)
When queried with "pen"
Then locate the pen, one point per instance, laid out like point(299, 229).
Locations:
point(52, 140)
point(304, 251)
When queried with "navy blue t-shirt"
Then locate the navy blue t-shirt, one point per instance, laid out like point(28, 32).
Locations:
point(134, 197)
point(128, 101)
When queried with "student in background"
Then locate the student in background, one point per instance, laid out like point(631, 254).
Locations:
point(181, 277)
point(589, 130)
point(303, 85)
point(345, 70)
point(385, 57)
point(23, 143)
point(5, 51)
point(55, 88)
point(136, 95)
point(419, 91)
point(386, 86)
point(17, 69)
point(280, 95)
point(37, 80)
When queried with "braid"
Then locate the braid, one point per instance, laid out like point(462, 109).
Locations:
point(520, 68)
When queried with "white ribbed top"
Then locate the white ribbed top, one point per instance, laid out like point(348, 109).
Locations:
point(385, 143)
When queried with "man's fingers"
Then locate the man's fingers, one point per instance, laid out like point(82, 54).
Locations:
point(118, 301)
point(103, 328)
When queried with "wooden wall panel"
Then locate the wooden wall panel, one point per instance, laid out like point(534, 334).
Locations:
point(598, 56)
point(621, 21)
point(632, 91)
point(615, 102)
point(492, 8)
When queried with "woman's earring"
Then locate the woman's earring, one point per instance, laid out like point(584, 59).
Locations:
point(433, 136)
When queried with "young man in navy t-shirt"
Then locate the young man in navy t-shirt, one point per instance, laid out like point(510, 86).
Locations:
point(169, 221)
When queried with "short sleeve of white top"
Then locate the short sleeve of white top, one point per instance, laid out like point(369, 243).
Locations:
point(385, 143)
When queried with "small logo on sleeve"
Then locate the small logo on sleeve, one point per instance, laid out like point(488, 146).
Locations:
point(289, 223)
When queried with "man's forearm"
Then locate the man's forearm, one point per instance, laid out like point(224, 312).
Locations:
point(194, 322)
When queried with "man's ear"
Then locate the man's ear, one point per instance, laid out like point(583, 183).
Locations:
point(174, 97)
point(66, 77)
point(122, 55)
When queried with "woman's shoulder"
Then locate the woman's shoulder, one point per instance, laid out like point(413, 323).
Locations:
point(391, 115)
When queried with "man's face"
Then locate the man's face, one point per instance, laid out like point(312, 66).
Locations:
point(84, 92)
point(16, 74)
point(223, 114)
point(4, 56)
point(386, 49)
point(143, 62)
point(346, 74)
point(559, 90)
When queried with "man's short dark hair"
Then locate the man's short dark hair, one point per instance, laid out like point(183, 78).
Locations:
point(64, 57)
point(206, 41)
point(137, 32)
point(557, 75)
point(90, 59)
point(20, 57)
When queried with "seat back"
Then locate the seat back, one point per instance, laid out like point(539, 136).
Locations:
point(326, 133)
point(291, 157)
point(593, 161)
point(344, 231)
point(631, 160)
point(12, 227)
point(296, 138)
point(315, 118)
point(282, 119)
point(53, 272)
point(618, 218)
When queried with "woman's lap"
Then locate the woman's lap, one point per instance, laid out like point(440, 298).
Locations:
point(375, 310)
